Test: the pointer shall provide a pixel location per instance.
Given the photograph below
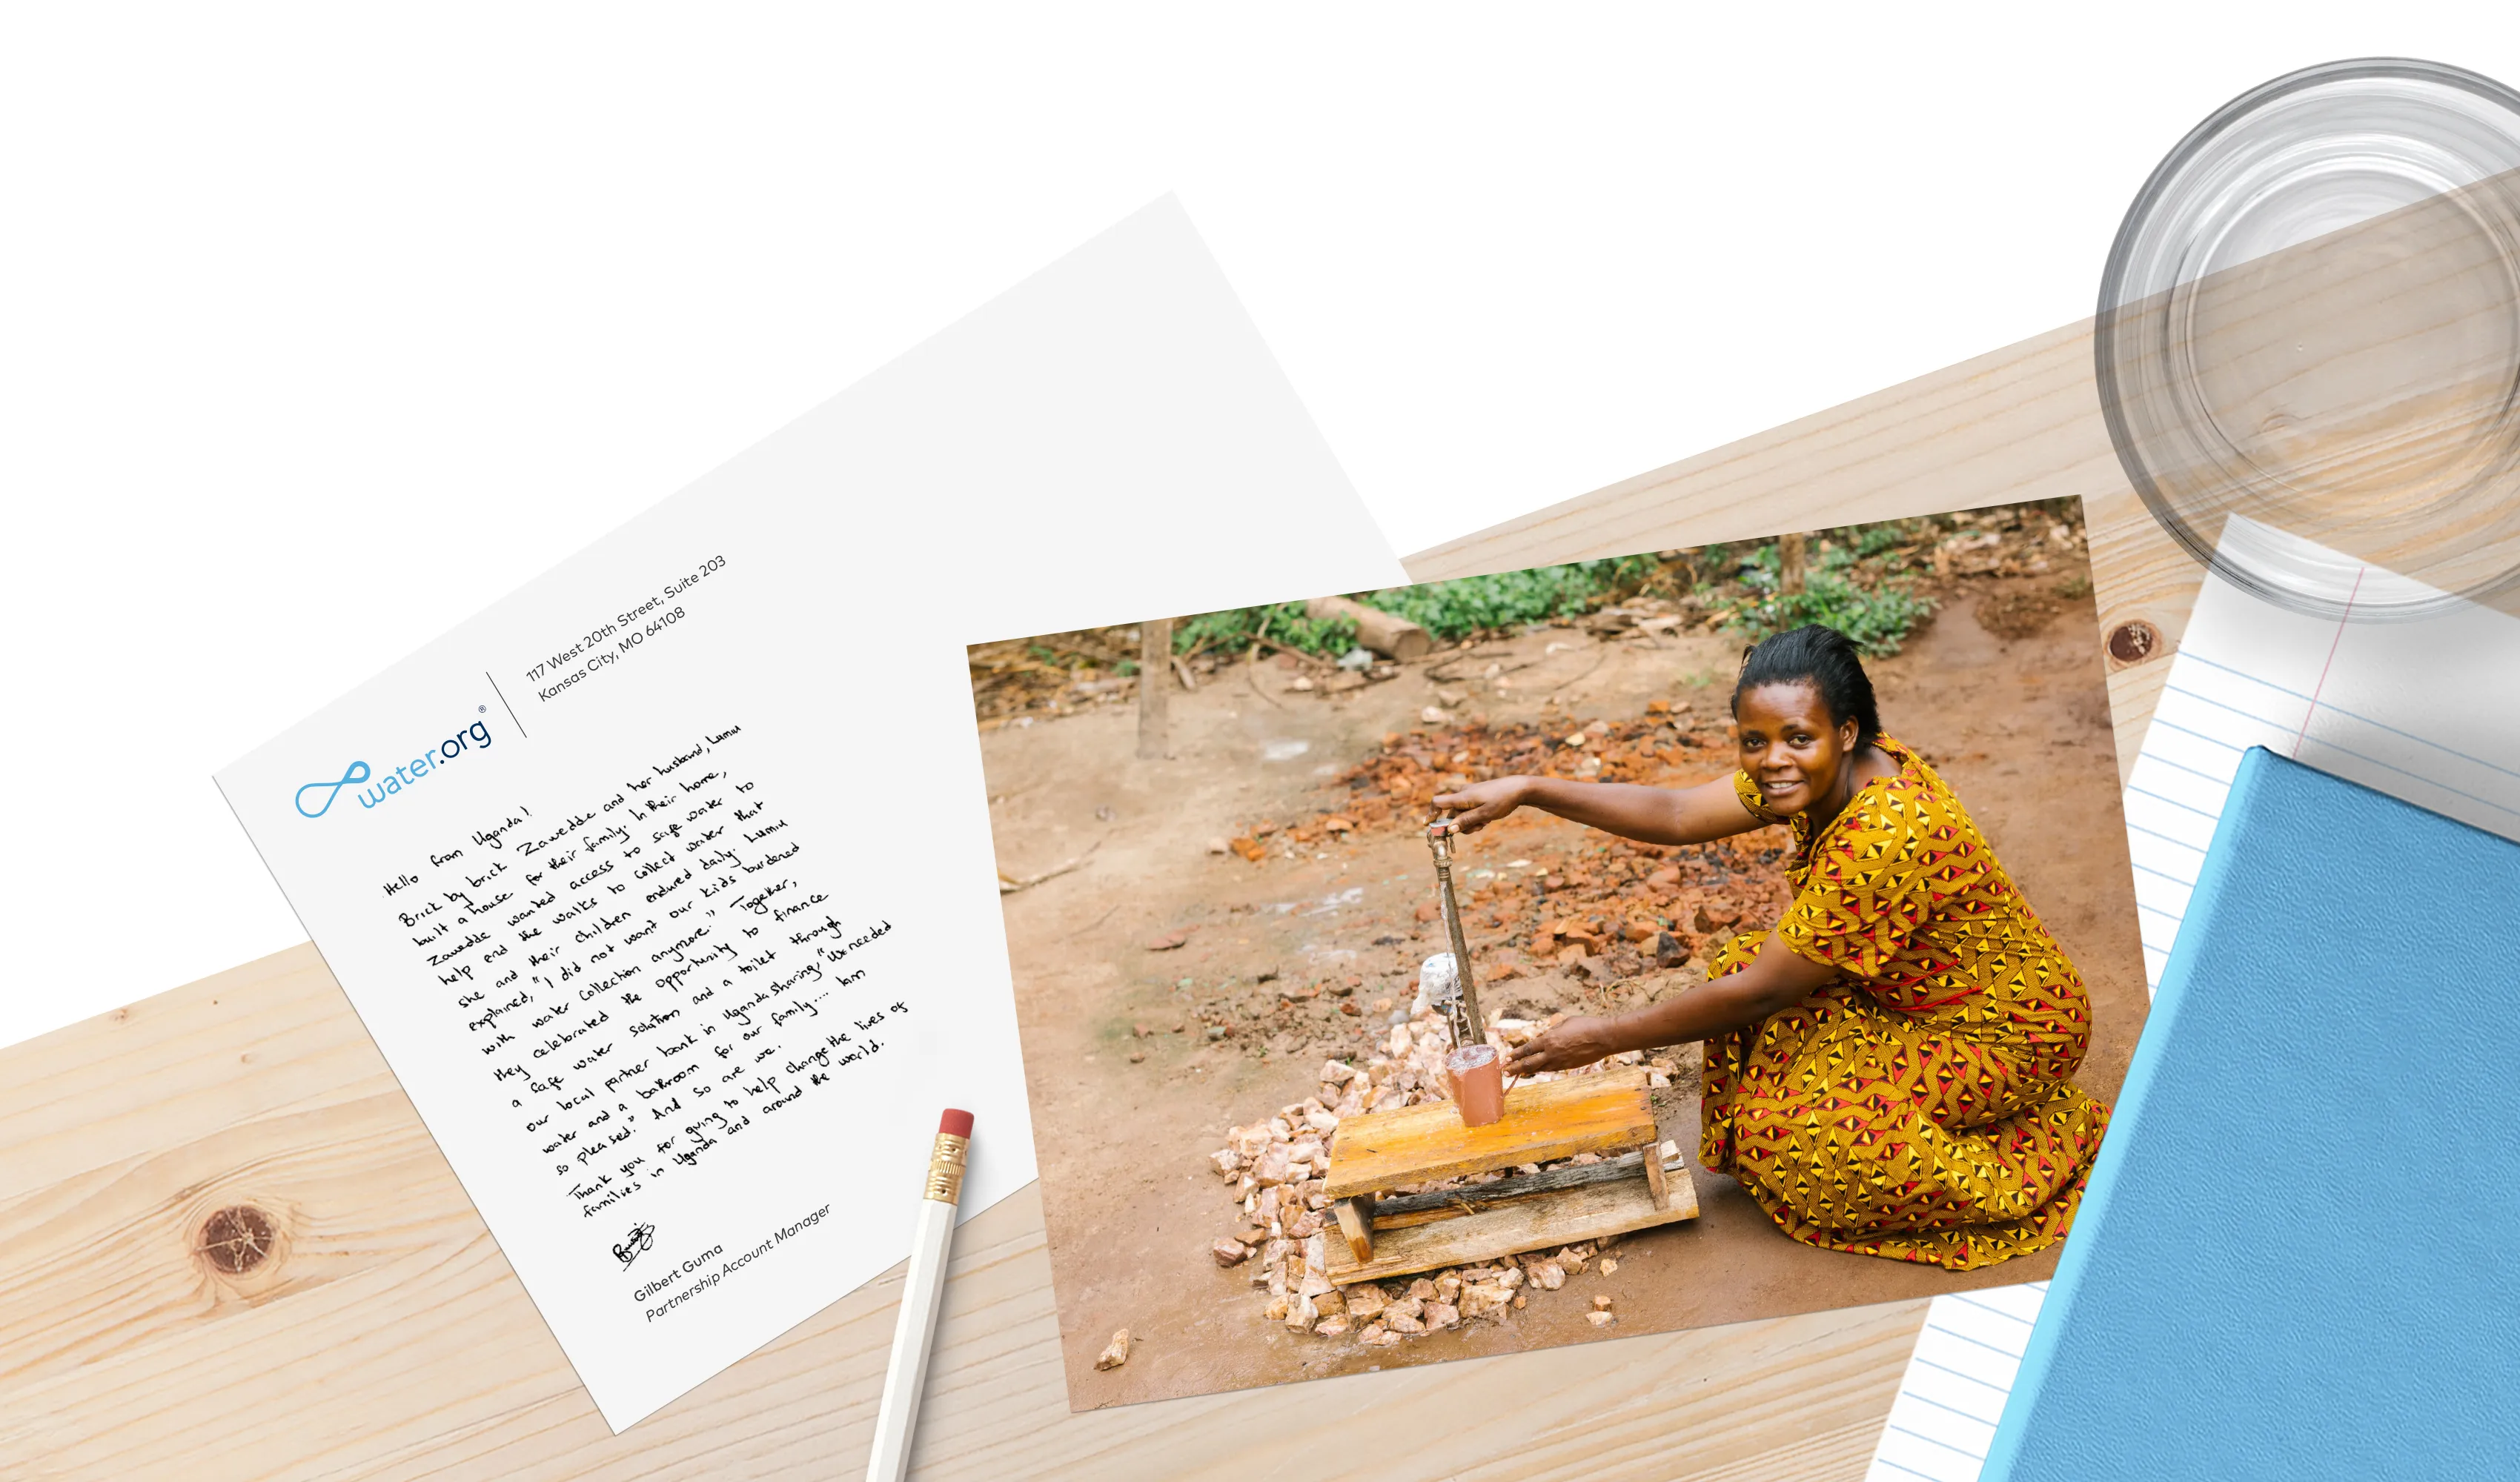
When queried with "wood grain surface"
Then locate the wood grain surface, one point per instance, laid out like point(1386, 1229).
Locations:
point(1544, 1120)
point(366, 1326)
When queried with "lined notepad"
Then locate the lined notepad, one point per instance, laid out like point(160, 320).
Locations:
point(2427, 711)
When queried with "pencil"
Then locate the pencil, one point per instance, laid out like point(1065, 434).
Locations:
point(921, 1294)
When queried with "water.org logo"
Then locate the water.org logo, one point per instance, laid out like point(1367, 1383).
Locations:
point(472, 737)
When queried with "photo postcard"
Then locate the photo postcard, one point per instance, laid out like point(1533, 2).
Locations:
point(1791, 883)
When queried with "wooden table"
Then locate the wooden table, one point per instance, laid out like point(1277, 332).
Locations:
point(234, 1252)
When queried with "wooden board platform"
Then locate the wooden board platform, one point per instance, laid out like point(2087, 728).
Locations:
point(389, 1341)
point(1376, 1151)
point(1587, 1212)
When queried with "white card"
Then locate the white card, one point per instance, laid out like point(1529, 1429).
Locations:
point(665, 885)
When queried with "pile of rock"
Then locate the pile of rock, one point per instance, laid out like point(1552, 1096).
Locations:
point(1383, 1313)
point(1284, 1232)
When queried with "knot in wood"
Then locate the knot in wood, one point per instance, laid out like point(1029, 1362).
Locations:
point(2134, 642)
point(237, 1239)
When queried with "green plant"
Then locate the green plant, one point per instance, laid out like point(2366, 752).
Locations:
point(1457, 609)
point(1874, 539)
point(1235, 629)
point(1876, 616)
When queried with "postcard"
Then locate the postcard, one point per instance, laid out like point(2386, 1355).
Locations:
point(1644, 943)
point(664, 883)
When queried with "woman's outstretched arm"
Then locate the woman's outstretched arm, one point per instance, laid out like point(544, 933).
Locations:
point(1648, 815)
point(1777, 979)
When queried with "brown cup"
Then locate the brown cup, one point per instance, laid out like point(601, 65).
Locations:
point(1477, 1074)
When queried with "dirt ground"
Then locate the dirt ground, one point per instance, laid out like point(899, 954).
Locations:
point(1140, 1054)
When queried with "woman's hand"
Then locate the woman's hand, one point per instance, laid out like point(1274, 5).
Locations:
point(1579, 1041)
point(1482, 803)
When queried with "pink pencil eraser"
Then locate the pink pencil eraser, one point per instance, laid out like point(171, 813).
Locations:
point(958, 1122)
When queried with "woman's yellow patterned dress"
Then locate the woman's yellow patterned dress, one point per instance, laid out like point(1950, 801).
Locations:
point(1919, 1107)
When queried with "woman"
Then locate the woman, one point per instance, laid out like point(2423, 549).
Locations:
point(1887, 1070)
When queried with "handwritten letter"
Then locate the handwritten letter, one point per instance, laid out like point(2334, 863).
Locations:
point(649, 974)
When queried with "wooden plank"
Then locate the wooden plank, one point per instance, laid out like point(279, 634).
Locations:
point(1401, 1210)
point(1355, 1224)
point(1555, 1119)
point(1585, 1213)
point(1656, 1177)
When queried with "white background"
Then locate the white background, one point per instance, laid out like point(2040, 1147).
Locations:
point(322, 328)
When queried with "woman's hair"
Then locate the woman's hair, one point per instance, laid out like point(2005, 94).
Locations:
point(1824, 658)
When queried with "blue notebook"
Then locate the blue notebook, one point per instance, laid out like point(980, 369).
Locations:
point(2299, 1255)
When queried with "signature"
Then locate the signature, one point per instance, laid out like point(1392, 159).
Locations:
point(642, 1236)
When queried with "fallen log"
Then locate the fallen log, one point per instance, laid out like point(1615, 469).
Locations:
point(1385, 633)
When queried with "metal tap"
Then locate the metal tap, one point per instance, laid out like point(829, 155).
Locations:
point(1469, 1027)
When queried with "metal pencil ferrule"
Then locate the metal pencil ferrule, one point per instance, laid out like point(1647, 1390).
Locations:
point(945, 1166)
